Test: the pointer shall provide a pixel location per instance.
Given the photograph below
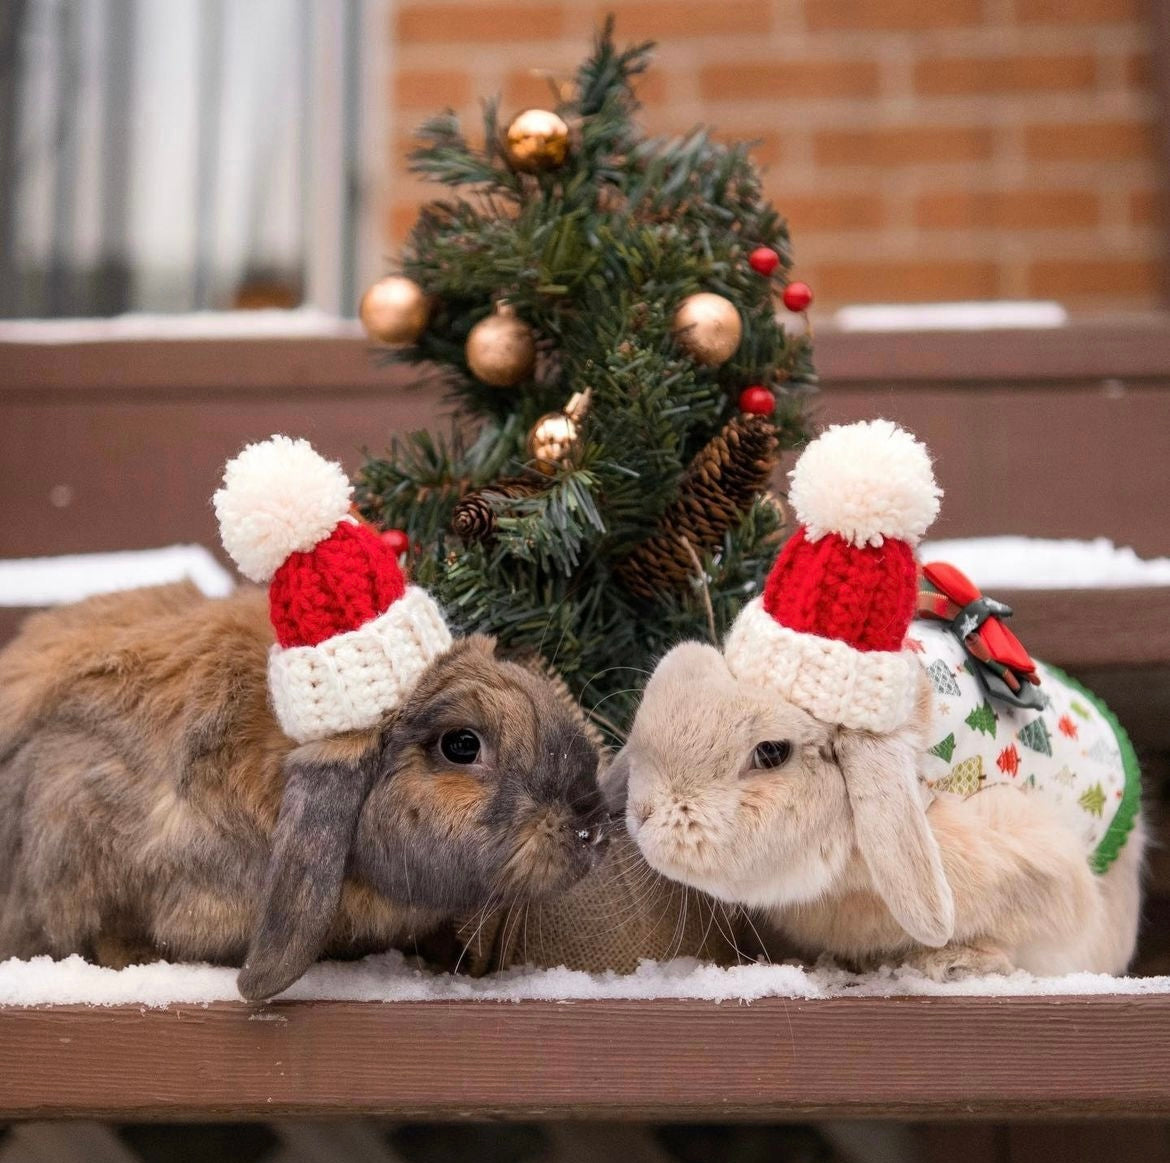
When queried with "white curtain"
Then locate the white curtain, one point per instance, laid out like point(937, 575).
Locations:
point(167, 151)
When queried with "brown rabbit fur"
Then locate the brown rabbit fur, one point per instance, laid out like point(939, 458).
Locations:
point(151, 807)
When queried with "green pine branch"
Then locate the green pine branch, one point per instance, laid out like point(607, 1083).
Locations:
point(595, 256)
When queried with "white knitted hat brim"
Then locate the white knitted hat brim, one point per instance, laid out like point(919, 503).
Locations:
point(865, 690)
point(350, 681)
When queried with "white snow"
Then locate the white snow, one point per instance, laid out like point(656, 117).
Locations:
point(52, 581)
point(389, 977)
point(950, 316)
point(265, 324)
point(1029, 563)
point(991, 562)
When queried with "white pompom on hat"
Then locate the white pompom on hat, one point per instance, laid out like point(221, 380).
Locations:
point(865, 482)
point(279, 496)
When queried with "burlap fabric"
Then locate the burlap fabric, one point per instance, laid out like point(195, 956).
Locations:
point(620, 914)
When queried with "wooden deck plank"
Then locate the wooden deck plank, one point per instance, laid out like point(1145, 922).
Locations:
point(906, 1058)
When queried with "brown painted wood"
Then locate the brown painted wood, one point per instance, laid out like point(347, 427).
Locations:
point(249, 366)
point(1077, 629)
point(1140, 698)
point(1132, 349)
point(1063, 433)
point(775, 1059)
point(10, 620)
point(116, 473)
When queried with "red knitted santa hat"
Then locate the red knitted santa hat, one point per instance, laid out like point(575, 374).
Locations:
point(352, 637)
point(827, 632)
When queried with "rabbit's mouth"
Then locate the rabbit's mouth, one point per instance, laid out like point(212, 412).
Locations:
point(680, 839)
point(554, 850)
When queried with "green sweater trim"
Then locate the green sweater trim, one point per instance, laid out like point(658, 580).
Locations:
point(1126, 815)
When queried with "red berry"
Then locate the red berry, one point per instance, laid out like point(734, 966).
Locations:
point(798, 296)
point(764, 260)
point(396, 541)
point(757, 400)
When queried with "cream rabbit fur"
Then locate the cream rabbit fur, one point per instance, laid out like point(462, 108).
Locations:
point(843, 849)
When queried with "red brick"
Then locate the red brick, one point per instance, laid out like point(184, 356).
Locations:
point(1010, 74)
point(767, 147)
point(454, 23)
point(1078, 11)
point(401, 219)
point(831, 212)
point(1147, 207)
point(1121, 278)
point(775, 80)
point(1138, 71)
point(887, 15)
point(895, 146)
point(676, 19)
point(1008, 210)
point(525, 88)
point(431, 89)
point(906, 281)
point(1107, 141)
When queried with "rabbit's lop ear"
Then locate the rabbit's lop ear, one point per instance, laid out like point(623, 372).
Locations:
point(613, 780)
point(894, 839)
point(326, 784)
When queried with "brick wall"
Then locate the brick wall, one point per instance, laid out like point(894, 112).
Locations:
point(921, 149)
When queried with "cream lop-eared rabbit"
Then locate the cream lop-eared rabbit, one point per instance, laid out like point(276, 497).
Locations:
point(174, 784)
point(875, 788)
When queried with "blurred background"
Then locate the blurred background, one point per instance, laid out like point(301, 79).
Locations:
point(171, 155)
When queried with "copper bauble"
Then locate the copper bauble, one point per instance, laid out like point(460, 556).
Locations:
point(553, 436)
point(501, 349)
point(708, 328)
point(394, 311)
point(536, 140)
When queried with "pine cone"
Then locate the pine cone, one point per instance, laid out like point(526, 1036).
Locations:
point(474, 518)
point(715, 492)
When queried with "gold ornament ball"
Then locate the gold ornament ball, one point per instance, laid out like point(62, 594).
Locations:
point(394, 311)
point(552, 439)
point(536, 140)
point(708, 328)
point(501, 350)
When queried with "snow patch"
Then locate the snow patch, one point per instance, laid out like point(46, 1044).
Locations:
point(951, 316)
point(52, 581)
point(390, 977)
point(1029, 563)
point(266, 324)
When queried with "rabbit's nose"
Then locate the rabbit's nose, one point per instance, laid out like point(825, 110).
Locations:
point(591, 836)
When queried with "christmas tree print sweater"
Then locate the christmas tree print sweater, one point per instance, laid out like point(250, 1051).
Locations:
point(1073, 749)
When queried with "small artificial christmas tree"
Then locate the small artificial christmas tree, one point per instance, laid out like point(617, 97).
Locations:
point(603, 307)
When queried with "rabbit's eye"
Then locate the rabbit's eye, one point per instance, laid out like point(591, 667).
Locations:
point(773, 753)
point(461, 746)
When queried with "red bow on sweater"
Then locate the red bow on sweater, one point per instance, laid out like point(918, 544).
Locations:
point(999, 659)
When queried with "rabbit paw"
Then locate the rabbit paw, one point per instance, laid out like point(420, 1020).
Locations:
point(954, 962)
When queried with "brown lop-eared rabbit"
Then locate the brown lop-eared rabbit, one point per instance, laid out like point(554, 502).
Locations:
point(175, 785)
